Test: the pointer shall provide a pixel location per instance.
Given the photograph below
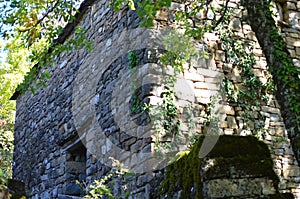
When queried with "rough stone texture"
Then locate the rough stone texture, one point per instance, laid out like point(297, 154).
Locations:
point(47, 130)
point(238, 188)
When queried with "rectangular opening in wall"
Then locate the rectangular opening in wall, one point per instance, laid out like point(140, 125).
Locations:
point(75, 169)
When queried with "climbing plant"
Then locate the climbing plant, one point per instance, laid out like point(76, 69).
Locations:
point(285, 74)
point(164, 115)
point(250, 93)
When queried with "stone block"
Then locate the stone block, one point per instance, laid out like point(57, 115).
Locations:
point(278, 151)
point(291, 171)
point(250, 124)
point(55, 193)
point(274, 117)
point(202, 93)
point(213, 80)
point(240, 123)
point(220, 55)
point(201, 85)
point(257, 52)
point(279, 124)
point(290, 5)
point(228, 131)
point(208, 73)
point(296, 62)
point(221, 188)
point(268, 187)
point(177, 6)
point(75, 167)
point(162, 15)
point(44, 177)
point(270, 110)
point(229, 110)
point(231, 122)
point(223, 124)
point(236, 23)
point(194, 77)
point(298, 51)
point(292, 53)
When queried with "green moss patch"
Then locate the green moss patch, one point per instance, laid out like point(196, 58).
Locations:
point(184, 174)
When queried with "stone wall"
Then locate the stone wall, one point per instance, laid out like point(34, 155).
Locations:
point(69, 130)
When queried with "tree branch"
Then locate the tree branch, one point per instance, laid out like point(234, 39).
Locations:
point(222, 16)
point(43, 17)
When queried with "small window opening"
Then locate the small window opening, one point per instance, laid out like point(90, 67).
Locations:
point(75, 169)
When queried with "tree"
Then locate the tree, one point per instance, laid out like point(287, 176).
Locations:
point(37, 24)
point(12, 71)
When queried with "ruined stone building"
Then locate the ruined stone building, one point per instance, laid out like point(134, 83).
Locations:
point(90, 117)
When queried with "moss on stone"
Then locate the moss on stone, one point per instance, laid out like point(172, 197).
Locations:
point(184, 174)
point(247, 155)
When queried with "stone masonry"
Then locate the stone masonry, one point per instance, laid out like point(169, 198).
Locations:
point(69, 131)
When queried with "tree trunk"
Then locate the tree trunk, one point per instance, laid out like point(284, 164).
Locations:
point(280, 65)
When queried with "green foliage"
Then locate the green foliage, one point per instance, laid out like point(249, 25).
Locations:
point(180, 50)
point(145, 9)
point(36, 24)
point(251, 92)
point(101, 188)
point(12, 71)
point(36, 19)
point(133, 59)
point(117, 4)
point(165, 117)
point(136, 105)
point(287, 74)
point(6, 152)
point(3, 180)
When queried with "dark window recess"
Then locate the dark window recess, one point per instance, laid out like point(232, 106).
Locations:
point(75, 170)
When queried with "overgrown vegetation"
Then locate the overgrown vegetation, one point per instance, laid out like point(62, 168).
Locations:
point(163, 115)
point(12, 69)
point(285, 74)
point(250, 93)
point(246, 155)
point(102, 188)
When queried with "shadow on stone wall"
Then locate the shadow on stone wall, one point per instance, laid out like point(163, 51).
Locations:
point(237, 167)
point(15, 190)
